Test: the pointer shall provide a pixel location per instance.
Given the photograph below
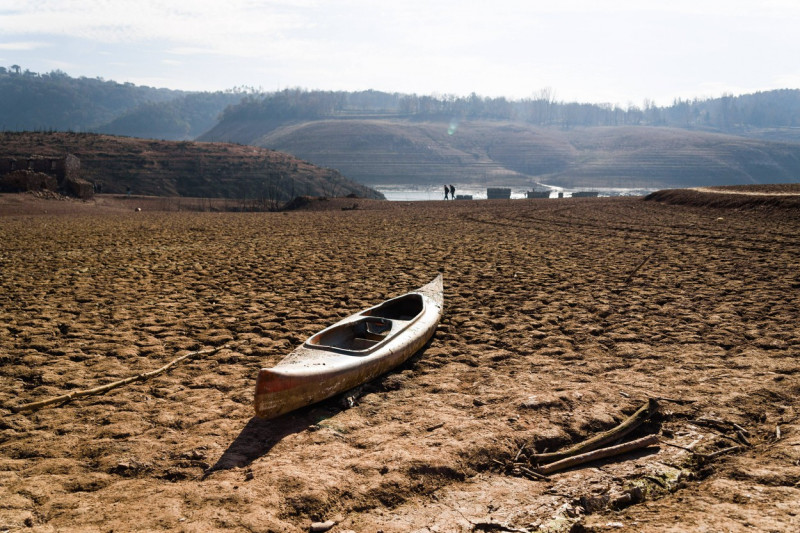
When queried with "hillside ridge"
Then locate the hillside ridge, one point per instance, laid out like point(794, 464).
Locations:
point(491, 152)
point(182, 168)
point(381, 138)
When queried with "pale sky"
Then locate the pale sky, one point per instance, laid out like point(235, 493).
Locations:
point(613, 51)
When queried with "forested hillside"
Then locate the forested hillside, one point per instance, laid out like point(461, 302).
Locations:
point(740, 115)
point(377, 138)
point(57, 102)
point(183, 118)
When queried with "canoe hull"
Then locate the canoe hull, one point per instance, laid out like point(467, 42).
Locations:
point(314, 373)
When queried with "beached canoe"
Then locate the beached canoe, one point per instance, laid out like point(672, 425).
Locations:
point(353, 351)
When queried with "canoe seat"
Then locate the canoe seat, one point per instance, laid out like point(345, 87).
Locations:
point(354, 336)
point(405, 307)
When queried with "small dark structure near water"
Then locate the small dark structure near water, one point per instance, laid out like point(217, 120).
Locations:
point(498, 193)
point(36, 173)
point(538, 194)
point(463, 197)
point(585, 194)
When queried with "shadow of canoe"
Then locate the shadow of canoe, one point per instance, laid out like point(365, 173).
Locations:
point(259, 436)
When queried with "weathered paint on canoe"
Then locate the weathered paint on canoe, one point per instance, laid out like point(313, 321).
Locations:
point(353, 351)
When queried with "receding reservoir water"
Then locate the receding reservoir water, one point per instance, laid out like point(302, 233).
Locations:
point(409, 193)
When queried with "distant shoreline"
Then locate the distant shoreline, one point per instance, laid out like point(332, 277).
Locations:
point(398, 193)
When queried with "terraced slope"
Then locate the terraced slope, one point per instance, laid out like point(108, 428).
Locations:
point(170, 168)
point(400, 151)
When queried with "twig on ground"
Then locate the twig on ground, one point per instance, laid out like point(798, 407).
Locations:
point(705, 456)
point(628, 425)
point(679, 401)
point(657, 481)
point(684, 448)
point(533, 474)
point(638, 267)
point(743, 438)
point(494, 526)
point(33, 406)
point(695, 442)
point(721, 452)
point(723, 436)
point(721, 425)
point(718, 426)
point(602, 453)
point(487, 525)
point(516, 457)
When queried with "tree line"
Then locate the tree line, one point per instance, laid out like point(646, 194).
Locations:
point(728, 113)
point(55, 101)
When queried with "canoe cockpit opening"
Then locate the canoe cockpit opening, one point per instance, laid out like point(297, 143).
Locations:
point(403, 308)
point(354, 336)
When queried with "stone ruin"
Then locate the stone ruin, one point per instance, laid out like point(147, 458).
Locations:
point(35, 173)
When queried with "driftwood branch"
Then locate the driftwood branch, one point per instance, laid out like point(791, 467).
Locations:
point(628, 425)
point(720, 425)
point(685, 448)
point(105, 388)
point(602, 453)
point(706, 456)
point(638, 267)
point(532, 474)
point(679, 401)
point(723, 451)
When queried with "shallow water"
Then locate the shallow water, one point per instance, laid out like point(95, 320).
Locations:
point(408, 193)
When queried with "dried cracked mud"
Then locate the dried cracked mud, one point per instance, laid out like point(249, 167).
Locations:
point(562, 317)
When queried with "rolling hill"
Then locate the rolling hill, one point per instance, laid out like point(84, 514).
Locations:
point(182, 168)
point(380, 138)
point(395, 150)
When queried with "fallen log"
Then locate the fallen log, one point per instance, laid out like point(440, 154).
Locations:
point(616, 433)
point(33, 406)
point(602, 453)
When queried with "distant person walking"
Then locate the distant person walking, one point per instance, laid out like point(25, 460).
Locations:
point(452, 192)
point(446, 192)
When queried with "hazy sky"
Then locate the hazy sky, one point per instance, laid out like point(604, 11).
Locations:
point(614, 51)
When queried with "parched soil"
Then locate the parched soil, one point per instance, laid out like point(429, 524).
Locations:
point(562, 317)
point(778, 196)
point(759, 189)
